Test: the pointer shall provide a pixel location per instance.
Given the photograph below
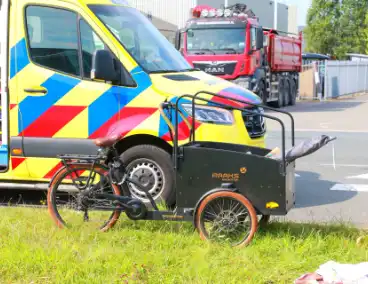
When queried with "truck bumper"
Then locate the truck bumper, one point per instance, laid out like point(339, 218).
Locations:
point(247, 82)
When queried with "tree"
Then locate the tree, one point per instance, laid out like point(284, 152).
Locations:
point(337, 27)
point(320, 33)
point(353, 25)
point(366, 33)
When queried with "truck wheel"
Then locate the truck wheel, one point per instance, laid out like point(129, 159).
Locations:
point(262, 92)
point(152, 166)
point(292, 100)
point(280, 101)
point(287, 91)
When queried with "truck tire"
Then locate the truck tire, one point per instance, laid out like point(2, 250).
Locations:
point(280, 101)
point(292, 100)
point(262, 92)
point(287, 91)
point(151, 165)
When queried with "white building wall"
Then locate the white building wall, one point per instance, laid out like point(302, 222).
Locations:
point(178, 12)
point(173, 11)
point(293, 19)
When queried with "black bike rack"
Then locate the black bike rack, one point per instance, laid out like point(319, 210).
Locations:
point(228, 107)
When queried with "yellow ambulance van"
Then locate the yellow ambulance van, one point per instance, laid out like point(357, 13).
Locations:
point(53, 102)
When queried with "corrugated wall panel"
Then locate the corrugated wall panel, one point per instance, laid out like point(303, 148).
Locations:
point(293, 19)
point(177, 12)
point(173, 11)
point(264, 9)
point(212, 3)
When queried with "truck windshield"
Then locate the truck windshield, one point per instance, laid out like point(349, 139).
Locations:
point(216, 41)
point(152, 51)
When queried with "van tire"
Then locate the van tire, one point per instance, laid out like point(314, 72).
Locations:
point(154, 166)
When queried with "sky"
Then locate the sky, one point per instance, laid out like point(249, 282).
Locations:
point(303, 6)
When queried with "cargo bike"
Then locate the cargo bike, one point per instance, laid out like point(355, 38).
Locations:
point(222, 188)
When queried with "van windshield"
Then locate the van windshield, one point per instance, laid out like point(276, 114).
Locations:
point(153, 52)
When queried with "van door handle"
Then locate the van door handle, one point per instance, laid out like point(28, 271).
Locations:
point(36, 90)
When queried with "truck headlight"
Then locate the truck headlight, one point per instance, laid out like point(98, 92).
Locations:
point(210, 114)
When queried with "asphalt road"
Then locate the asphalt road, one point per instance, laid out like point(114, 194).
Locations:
point(332, 183)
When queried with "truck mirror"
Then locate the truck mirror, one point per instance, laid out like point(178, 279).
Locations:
point(103, 67)
point(177, 39)
point(260, 39)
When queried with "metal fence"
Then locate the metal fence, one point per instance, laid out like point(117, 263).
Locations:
point(344, 78)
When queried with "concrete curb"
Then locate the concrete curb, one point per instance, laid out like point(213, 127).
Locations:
point(340, 98)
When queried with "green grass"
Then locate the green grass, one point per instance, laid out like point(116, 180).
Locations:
point(33, 250)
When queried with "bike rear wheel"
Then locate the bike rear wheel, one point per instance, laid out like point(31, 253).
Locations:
point(73, 199)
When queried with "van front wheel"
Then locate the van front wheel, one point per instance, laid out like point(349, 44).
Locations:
point(151, 166)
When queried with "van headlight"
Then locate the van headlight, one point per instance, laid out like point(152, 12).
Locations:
point(210, 114)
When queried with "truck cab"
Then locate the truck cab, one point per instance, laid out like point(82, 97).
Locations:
point(231, 44)
point(73, 71)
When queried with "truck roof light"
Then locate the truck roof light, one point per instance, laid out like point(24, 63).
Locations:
point(243, 15)
point(196, 13)
point(228, 13)
point(219, 12)
point(204, 13)
point(212, 13)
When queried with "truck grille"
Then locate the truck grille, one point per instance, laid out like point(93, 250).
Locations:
point(216, 68)
point(255, 124)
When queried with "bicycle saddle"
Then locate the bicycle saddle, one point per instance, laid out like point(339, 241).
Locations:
point(108, 141)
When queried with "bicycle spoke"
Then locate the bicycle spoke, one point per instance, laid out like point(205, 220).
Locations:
point(86, 199)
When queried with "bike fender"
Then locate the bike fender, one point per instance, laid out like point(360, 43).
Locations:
point(55, 175)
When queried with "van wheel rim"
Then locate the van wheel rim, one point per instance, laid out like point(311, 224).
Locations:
point(149, 174)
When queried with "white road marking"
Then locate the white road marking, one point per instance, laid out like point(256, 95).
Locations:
point(296, 175)
point(324, 125)
point(330, 130)
point(345, 165)
point(350, 187)
point(364, 176)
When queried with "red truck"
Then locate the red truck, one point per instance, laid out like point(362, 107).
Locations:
point(231, 44)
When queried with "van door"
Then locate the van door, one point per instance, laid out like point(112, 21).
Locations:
point(4, 153)
point(60, 106)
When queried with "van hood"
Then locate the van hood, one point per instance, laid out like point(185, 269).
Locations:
point(177, 84)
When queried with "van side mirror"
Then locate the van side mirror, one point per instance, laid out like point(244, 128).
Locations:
point(260, 39)
point(103, 67)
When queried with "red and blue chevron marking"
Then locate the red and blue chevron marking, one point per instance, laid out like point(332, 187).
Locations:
point(105, 111)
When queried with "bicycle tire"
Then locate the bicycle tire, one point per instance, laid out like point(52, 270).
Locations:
point(235, 196)
point(57, 179)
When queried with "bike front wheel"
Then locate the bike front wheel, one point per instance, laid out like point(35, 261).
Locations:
point(75, 198)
